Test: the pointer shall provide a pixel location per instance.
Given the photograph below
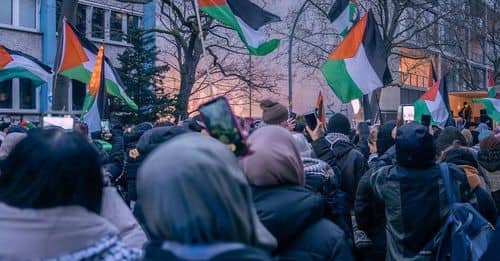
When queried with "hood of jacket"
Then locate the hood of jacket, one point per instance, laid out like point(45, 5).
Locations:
point(29, 234)
point(415, 146)
point(340, 144)
point(275, 206)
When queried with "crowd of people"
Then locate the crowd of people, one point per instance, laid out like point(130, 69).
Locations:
point(172, 192)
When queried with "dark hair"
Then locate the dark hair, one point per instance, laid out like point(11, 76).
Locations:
point(52, 168)
point(4, 125)
point(339, 123)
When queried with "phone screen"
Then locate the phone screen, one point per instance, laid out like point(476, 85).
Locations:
point(293, 115)
point(426, 120)
point(221, 124)
point(311, 120)
point(105, 126)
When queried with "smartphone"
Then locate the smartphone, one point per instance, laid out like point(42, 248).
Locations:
point(222, 124)
point(292, 115)
point(105, 126)
point(426, 120)
point(61, 122)
point(311, 120)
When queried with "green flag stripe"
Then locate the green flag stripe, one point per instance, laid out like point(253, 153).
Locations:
point(18, 72)
point(81, 74)
point(338, 79)
point(224, 15)
point(420, 109)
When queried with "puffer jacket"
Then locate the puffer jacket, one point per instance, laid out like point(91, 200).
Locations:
point(217, 252)
point(415, 206)
point(295, 217)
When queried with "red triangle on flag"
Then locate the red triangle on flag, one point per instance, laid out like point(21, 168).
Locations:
point(431, 94)
point(73, 54)
point(5, 57)
point(491, 79)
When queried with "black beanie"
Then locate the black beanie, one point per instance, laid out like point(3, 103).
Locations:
point(384, 137)
point(446, 138)
point(339, 123)
point(415, 146)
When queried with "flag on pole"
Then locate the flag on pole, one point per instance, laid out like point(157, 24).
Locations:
point(435, 103)
point(15, 64)
point(432, 75)
point(343, 15)
point(79, 58)
point(247, 19)
point(359, 64)
point(492, 92)
point(95, 101)
point(321, 109)
point(491, 103)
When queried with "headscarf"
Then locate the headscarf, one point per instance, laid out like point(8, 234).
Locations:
point(192, 191)
point(275, 159)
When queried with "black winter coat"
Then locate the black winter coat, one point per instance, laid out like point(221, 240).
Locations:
point(295, 217)
point(351, 163)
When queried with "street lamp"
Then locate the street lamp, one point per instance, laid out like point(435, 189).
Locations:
point(290, 44)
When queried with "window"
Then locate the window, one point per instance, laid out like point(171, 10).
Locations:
point(27, 13)
point(78, 95)
point(6, 12)
point(132, 23)
point(81, 19)
point(27, 95)
point(19, 13)
point(98, 23)
point(6, 94)
point(116, 32)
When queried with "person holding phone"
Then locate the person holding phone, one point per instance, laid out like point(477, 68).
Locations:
point(337, 150)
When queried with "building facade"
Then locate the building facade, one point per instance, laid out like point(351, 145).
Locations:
point(31, 26)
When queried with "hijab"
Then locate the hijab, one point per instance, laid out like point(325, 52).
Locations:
point(275, 159)
point(192, 191)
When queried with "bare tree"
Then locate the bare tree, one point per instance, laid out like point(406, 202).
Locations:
point(224, 69)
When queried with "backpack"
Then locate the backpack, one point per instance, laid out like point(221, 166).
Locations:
point(465, 234)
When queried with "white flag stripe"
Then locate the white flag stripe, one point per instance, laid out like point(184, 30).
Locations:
point(253, 37)
point(23, 62)
point(362, 73)
point(343, 21)
point(438, 110)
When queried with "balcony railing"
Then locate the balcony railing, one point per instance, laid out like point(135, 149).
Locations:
point(414, 80)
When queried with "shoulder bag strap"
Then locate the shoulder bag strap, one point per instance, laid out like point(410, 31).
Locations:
point(448, 183)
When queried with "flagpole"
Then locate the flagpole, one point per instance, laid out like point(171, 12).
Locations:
point(290, 45)
point(202, 41)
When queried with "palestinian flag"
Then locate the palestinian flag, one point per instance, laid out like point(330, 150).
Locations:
point(359, 64)
point(95, 102)
point(343, 15)
point(435, 103)
point(321, 109)
point(492, 92)
point(15, 64)
point(491, 103)
point(78, 60)
point(247, 19)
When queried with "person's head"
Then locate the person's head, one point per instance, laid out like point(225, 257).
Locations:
point(385, 138)
point(52, 168)
point(275, 159)
point(135, 133)
point(469, 140)
point(448, 137)
point(192, 191)
point(489, 153)
point(339, 123)
point(273, 113)
point(10, 141)
point(4, 126)
point(303, 146)
point(153, 138)
point(465, 104)
point(459, 155)
point(414, 146)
